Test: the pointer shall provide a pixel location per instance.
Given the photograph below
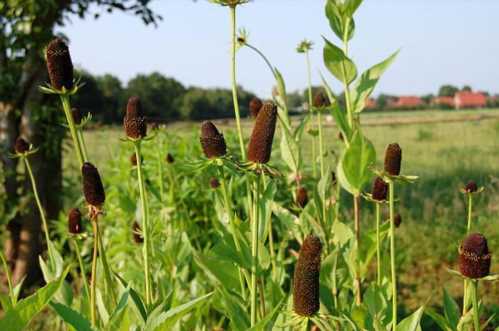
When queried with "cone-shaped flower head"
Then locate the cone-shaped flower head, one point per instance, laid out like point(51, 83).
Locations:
point(397, 220)
point(169, 158)
point(393, 159)
point(74, 221)
point(77, 115)
point(212, 141)
point(260, 145)
point(306, 278)
point(321, 100)
point(301, 197)
point(21, 146)
point(471, 187)
point(474, 256)
point(134, 122)
point(214, 183)
point(137, 233)
point(59, 65)
point(254, 106)
point(380, 189)
point(93, 190)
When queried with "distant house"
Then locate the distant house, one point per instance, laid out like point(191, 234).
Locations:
point(447, 102)
point(371, 104)
point(407, 102)
point(467, 99)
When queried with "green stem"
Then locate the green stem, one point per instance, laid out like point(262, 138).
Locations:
point(40, 208)
point(228, 207)
point(66, 106)
point(474, 297)
point(392, 255)
point(254, 252)
point(468, 230)
point(356, 207)
point(9, 279)
point(93, 280)
point(82, 268)
point(82, 144)
point(106, 269)
point(310, 102)
point(346, 85)
point(234, 81)
point(378, 243)
point(145, 221)
point(335, 285)
point(160, 175)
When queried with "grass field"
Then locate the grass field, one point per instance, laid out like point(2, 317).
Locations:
point(444, 148)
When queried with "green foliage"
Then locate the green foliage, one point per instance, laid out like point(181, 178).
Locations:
point(338, 63)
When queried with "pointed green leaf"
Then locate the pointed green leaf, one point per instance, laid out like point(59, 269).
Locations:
point(338, 63)
point(451, 310)
point(338, 21)
point(411, 323)
point(71, 317)
point(365, 85)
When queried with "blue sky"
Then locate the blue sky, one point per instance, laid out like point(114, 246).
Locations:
point(441, 41)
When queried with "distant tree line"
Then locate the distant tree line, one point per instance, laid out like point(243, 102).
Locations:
point(163, 98)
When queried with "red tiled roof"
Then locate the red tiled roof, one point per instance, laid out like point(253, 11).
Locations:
point(466, 99)
point(408, 102)
point(446, 101)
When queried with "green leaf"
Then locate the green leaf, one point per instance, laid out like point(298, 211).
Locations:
point(224, 272)
point(451, 310)
point(411, 323)
point(166, 320)
point(354, 166)
point(117, 316)
point(232, 306)
point(19, 317)
point(341, 233)
point(365, 85)
point(338, 63)
point(71, 317)
point(269, 320)
point(340, 118)
point(338, 21)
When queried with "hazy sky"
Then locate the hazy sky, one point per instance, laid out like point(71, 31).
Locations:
point(441, 41)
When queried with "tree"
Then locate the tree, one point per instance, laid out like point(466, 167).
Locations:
point(114, 99)
point(26, 27)
point(447, 91)
point(466, 88)
point(159, 94)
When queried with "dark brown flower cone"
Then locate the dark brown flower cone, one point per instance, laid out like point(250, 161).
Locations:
point(301, 197)
point(254, 106)
point(260, 145)
point(59, 65)
point(169, 158)
point(474, 256)
point(137, 233)
point(471, 187)
point(77, 115)
point(321, 100)
point(393, 159)
point(397, 220)
point(134, 122)
point(380, 189)
point(21, 146)
point(214, 183)
point(93, 190)
point(74, 221)
point(306, 277)
point(212, 141)
point(133, 159)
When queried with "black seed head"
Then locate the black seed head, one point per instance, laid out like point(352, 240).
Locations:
point(134, 122)
point(59, 65)
point(393, 159)
point(21, 146)
point(321, 100)
point(74, 221)
point(380, 189)
point(301, 197)
point(255, 106)
point(212, 141)
point(471, 187)
point(474, 256)
point(93, 190)
point(306, 278)
point(137, 233)
point(397, 220)
point(214, 183)
point(260, 145)
point(169, 158)
point(77, 115)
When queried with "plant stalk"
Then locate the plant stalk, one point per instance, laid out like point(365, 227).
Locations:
point(93, 310)
point(468, 230)
point(234, 81)
point(254, 252)
point(82, 268)
point(378, 243)
point(474, 297)
point(392, 255)
point(66, 106)
point(145, 221)
point(356, 207)
point(310, 105)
